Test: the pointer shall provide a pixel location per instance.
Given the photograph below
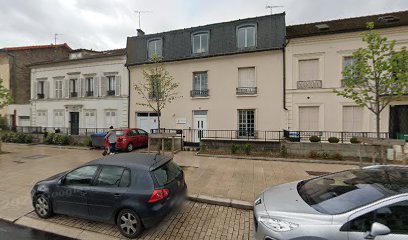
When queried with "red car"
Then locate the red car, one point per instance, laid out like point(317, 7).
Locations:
point(130, 138)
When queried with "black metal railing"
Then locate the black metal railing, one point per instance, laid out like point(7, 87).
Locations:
point(246, 90)
point(110, 92)
point(40, 95)
point(74, 94)
point(199, 93)
point(89, 93)
point(309, 84)
point(61, 130)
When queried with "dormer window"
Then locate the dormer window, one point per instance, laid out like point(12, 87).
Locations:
point(154, 47)
point(200, 42)
point(246, 36)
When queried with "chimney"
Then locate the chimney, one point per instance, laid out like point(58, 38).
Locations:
point(140, 32)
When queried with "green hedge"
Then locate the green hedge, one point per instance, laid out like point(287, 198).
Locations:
point(13, 137)
point(57, 139)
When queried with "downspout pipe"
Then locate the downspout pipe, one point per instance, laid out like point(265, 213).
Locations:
point(128, 95)
point(284, 73)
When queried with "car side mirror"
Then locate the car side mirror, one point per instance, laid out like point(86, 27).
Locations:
point(377, 229)
point(61, 181)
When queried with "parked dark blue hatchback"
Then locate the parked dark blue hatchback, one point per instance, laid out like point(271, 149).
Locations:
point(133, 191)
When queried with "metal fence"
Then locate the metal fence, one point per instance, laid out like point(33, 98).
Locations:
point(69, 131)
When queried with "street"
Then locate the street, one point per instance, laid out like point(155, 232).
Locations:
point(13, 231)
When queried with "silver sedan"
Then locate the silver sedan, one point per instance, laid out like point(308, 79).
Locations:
point(368, 203)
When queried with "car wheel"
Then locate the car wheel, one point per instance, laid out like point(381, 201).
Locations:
point(42, 206)
point(129, 224)
point(130, 147)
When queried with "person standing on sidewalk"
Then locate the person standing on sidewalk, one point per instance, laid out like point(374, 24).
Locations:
point(111, 136)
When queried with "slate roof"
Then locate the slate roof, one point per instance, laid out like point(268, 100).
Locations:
point(348, 25)
point(36, 47)
point(177, 44)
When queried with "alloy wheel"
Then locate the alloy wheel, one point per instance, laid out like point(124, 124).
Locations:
point(42, 206)
point(130, 147)
point(128, 223)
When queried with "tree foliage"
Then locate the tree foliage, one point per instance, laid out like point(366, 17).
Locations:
point(158, 88)
point(5, 97)
point(377, 75)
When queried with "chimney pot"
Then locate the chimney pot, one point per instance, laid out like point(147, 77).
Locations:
point(140, 32)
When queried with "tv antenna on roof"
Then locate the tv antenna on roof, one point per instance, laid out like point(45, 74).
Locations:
point(272, 7)
point(140, 12)
point(55, 37)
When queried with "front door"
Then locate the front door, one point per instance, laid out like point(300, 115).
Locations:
point(147, 121)
point(398, 125)
point(200, 125)
point(74, 122)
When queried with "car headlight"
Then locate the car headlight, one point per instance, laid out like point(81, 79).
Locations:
point(276, 224)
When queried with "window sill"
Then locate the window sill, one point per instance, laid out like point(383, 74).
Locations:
point(246, 95)
point(207, 97)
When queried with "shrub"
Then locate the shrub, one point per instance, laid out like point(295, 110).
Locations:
point(324, 155)
point(313, 154)
point(87, 142)
point(167, 144)
point(337, 156)
point(247, 149)
point(234, 148)
point(50, 139)
point(333, 140)
point(61, 139)
point(354, 140)
point(17, 137)
point(294, 139)
point(314, 139)
point(284, 151)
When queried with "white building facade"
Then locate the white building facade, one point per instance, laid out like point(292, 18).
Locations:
point(82, 94)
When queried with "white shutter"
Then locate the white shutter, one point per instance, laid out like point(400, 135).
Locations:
point(35, 89)
point(82, 83)
point(103, 84)
point(46, 89)
point(246, 77)
point(117, 86)
point(352, 119)
point(96, 87)
point(78, 86)
point(309, 70)
point(308, 118)
point(66, 88)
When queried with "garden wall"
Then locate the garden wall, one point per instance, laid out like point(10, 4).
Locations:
point(256, 146)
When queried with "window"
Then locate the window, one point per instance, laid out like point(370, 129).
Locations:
point(308, 118)
point(348, 61)
point(90, 118)
point(89, 86)
point(112, 176)
point(111, 85)
point(110, 118)
point(246, 123)
point(246, 81)
point(167, 173)
point(394, 216)
point(200, 42)
point(81, 176)
point(352, 118)
point(73, 87)
point(156, 88)
point(142, 132)
point(58, 89)
point(59, 118)
point(309, 70)
point(200, 85)
point(246, 36)
point(41, 89)
point(42, 118)
point(154, 47)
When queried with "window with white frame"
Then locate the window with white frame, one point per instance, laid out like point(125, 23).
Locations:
point(200, 84)
point(89, 86)
point(200, 42)
point(308, 69)
point(58, 89)
point(110, 118)
point(246, 36)
point(246, 81)
point(111, 85)
point(58, 120)
point(41, 89)
point(90, 118)
point(353, 118)
point(154, 48)
point(42, 118)
point(308, 118)
point(73, 87)
point(246, 123)
point(348, 61)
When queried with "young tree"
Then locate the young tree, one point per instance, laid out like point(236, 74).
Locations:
point(158, 88)
point(5, 99)
point(377, 75)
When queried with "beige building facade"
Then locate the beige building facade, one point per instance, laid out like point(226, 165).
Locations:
point(315, 59)
point(5, 76)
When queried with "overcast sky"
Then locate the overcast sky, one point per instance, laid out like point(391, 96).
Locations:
point(105, 24)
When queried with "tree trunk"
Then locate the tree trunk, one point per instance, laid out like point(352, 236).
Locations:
point(158, 121)
point(377, 122)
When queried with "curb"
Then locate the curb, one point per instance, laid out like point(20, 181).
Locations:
point(51, 146)
point(226, 202)
point(285, 159)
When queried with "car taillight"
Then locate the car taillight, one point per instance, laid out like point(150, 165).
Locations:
point(158, 194)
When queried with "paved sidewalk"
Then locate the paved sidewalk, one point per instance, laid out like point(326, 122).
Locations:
point(243, 179)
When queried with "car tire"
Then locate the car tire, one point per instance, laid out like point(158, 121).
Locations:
point(129, 224)
point(130, 147)
point(42, 206)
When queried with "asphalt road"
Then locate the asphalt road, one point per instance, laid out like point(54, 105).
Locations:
point(10, 231)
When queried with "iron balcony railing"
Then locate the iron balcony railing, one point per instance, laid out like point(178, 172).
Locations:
point(110, 92)
point(199, 93)
point(309, 84)
point(40, 95)
point(74, 94)
point(89, 93)
point(246, 90)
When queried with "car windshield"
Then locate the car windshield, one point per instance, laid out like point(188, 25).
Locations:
point(120, 133)
point(344, 191)
point(167, 173)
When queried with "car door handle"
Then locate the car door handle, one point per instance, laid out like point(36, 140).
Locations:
point(116, 195)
